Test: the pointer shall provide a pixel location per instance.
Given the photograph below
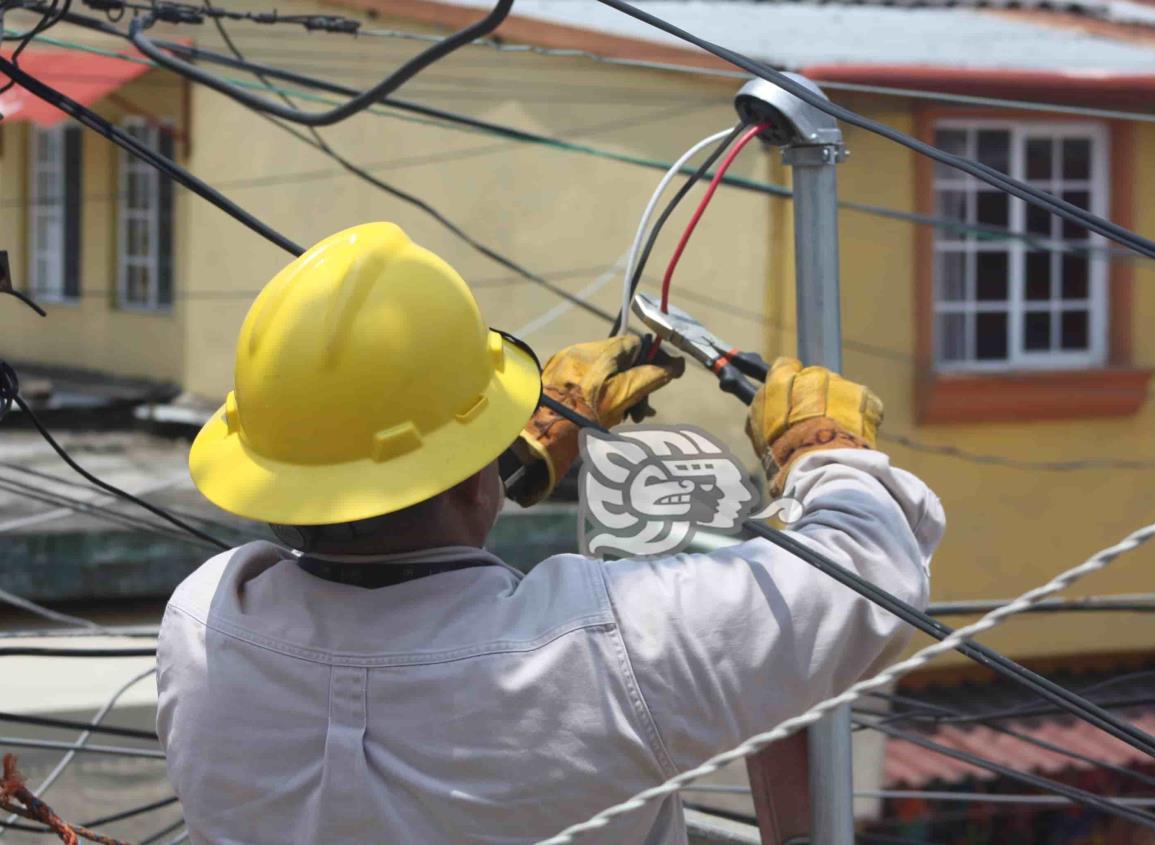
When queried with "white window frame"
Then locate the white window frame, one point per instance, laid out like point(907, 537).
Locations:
point(148, 133)
point(1098, 188)
point(49, 253)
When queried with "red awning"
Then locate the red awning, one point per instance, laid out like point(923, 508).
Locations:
point(910, 765)
point(85, 77)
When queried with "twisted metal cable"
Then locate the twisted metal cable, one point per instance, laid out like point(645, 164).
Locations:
point(756, 743)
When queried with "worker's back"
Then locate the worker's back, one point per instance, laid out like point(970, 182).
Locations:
point(459, 707)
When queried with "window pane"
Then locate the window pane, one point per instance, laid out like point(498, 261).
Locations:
point(994, 148)
point(1037, 330)
point(950, 272)
point(952, 339)
point(1073, 231)
point(1038, 275)
point(1039, 158)
point(952, 141)
point(953, 206)
point(992, 208)
point(1074, 330)
point(991, 276)
point(990, 336)
point(1038, 221)
point(1076, 158)
point(1074, 276)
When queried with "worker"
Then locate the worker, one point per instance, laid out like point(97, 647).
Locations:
point(377, 676)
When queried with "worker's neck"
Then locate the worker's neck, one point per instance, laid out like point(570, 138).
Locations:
point(391, 543)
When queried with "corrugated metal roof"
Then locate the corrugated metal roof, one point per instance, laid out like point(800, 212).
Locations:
point(798, 34)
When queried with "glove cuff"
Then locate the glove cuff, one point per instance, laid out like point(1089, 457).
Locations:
point(801, 439)
point(550, 441)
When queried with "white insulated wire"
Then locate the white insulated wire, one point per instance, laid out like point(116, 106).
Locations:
point(756, 743)
point(644, 223)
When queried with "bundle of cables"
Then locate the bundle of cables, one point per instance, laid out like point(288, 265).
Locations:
point(733, 140)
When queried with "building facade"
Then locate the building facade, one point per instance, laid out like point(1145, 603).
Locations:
point(1002, 359)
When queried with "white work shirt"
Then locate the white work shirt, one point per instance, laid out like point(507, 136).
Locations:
point(481, 706)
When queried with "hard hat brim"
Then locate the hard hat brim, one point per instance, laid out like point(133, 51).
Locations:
point(233, 477)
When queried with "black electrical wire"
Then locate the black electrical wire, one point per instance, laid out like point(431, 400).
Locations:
point(67, 724)
point(78, 485)
point(96, 511)
point(122, 139)
point(162, 833)
point(980, 171)
point(530, 137)
point(424, 206)
point(691, 181)
point(357, 103)
point(984, 656)
point(925, 707)
point(50, 17)
point(49, 651)
point(103, 820)
point(1079, 796)
point(10, 393)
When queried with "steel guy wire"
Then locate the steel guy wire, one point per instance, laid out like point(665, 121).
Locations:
point(1080, 796)
point(464, 123)
point(1095, 563)
point(84, 737)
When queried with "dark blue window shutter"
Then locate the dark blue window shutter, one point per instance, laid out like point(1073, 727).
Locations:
point(73, 209)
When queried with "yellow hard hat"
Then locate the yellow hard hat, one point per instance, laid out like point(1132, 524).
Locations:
point(366, 381)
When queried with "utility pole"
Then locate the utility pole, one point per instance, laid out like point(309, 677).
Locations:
point(812, 146)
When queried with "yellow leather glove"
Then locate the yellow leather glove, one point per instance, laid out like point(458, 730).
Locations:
point(803, 409)
point(602, 380)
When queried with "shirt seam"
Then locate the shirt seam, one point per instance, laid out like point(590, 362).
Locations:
point(228, 629)
point(637, 698)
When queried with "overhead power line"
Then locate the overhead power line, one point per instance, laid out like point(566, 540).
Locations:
point(443, 118)
point(356, 103)
point(1014, 187)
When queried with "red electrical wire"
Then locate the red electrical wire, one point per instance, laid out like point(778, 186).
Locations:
point(745, 138)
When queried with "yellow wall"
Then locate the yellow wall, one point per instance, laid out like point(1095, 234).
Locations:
point(555, 211)
point(92, 334)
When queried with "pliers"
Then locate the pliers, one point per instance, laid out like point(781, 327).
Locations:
point(728, 363)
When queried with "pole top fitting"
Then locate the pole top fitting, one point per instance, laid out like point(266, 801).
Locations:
point(795, 123)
